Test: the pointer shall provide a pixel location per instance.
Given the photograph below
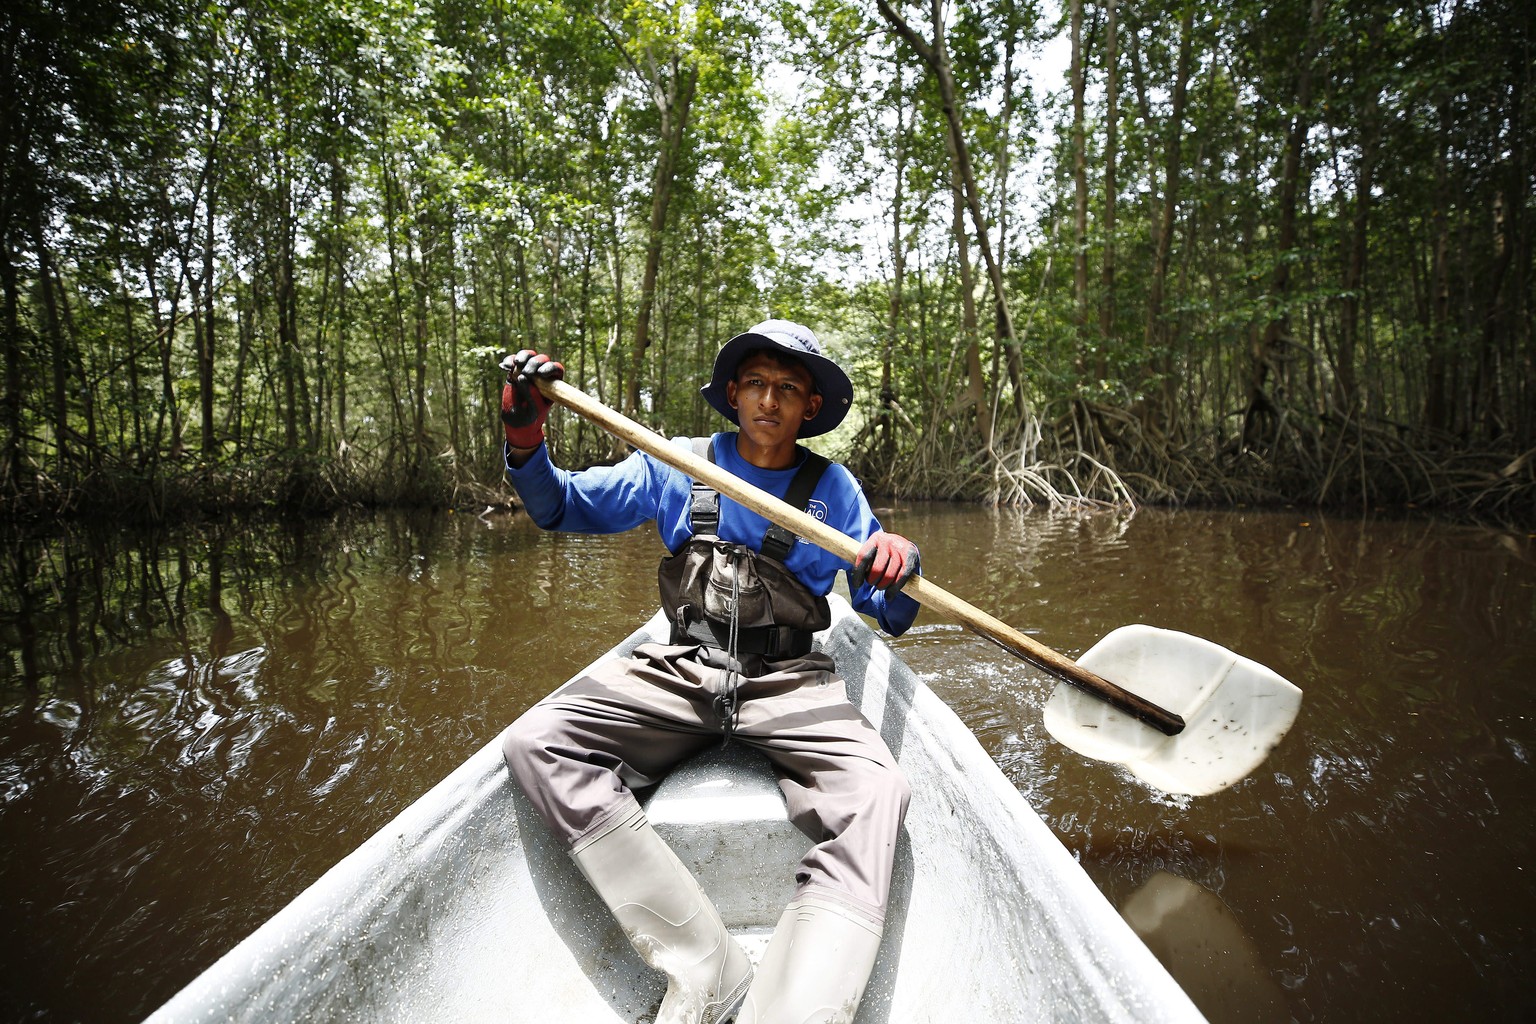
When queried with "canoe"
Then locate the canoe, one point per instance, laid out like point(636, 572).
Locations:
point(464, 909)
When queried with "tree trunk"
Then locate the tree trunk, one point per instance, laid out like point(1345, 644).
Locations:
point(10, 462)
point(134, 409)
point(416, 262)
point(1264, 356)
point(898, 278)
point(674, 110)
point(53, 323)
point(936, 56)
point(1111, 153)
point(976, 389)
point(1079, 190)
point(1346, 388)
point(286, 298)
point(395, 362)
point(203, 295)
point(1005, 140)
point(339, 256)
point(234, 422)
point(616, 260)
point(1158, 337)
point(456, 439)
point(1488, 409)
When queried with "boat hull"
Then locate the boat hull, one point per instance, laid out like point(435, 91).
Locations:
point(465, 909)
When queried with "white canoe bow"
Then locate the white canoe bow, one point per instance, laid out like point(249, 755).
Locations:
point(464, 908)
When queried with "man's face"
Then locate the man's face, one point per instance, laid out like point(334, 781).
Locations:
point(772, 399)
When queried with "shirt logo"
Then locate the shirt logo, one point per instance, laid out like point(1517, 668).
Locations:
point(817, 510)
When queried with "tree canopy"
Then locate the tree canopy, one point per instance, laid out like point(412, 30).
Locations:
point(1225, 251)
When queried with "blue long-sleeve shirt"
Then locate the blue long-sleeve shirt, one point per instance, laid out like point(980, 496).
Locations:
point(612, 499)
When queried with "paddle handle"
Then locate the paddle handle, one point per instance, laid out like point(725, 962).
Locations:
point(924, 590)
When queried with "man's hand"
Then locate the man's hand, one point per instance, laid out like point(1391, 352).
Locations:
point(886, 561)
point(523, 406)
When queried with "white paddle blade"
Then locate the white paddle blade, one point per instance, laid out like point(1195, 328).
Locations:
point(1235, 710)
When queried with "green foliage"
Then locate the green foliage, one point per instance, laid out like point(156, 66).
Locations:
point(298, 236)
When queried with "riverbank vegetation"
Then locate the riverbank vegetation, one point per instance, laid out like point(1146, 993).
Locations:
point(1218, 252)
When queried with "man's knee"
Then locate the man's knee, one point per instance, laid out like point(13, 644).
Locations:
point(880, 794)
point(902, 791)
point(525, 745)
point(893, 793)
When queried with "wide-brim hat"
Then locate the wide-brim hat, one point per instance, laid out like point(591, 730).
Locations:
point(796, 340)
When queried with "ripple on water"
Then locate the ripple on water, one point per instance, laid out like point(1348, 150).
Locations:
point(264, 718)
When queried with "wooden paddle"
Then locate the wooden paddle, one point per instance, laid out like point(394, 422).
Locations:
point(1069, 719)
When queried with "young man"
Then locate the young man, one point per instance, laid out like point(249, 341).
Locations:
point(744, 600)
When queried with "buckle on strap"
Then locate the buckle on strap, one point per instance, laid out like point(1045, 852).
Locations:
point(765, 641)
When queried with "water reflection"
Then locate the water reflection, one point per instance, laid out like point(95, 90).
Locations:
point(1204, 947)
point(1392, 825)
point(194, 726)
point(255, 703)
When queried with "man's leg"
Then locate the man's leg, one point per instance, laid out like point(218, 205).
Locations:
point(843, 789)
point(579, 752)
point(576, 755)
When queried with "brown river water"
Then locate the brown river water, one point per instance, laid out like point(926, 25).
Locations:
point(195, 726)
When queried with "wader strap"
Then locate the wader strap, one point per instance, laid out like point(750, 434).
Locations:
point(767, 641)
point(706, 500)
point(777, 541)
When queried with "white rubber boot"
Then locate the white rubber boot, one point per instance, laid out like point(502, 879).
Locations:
point(815, 968)
point(669, 920)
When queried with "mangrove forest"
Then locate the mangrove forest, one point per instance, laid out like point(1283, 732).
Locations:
point(269, 254)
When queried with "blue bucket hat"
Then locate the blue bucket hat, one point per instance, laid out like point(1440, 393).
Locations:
point(796, 340)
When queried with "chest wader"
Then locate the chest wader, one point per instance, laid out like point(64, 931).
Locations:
point(728, 598)
point(733, 599)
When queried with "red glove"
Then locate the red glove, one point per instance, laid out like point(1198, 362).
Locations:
point(886, 561)
point(523, 406)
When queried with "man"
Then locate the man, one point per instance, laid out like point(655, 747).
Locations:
point(743, 600)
